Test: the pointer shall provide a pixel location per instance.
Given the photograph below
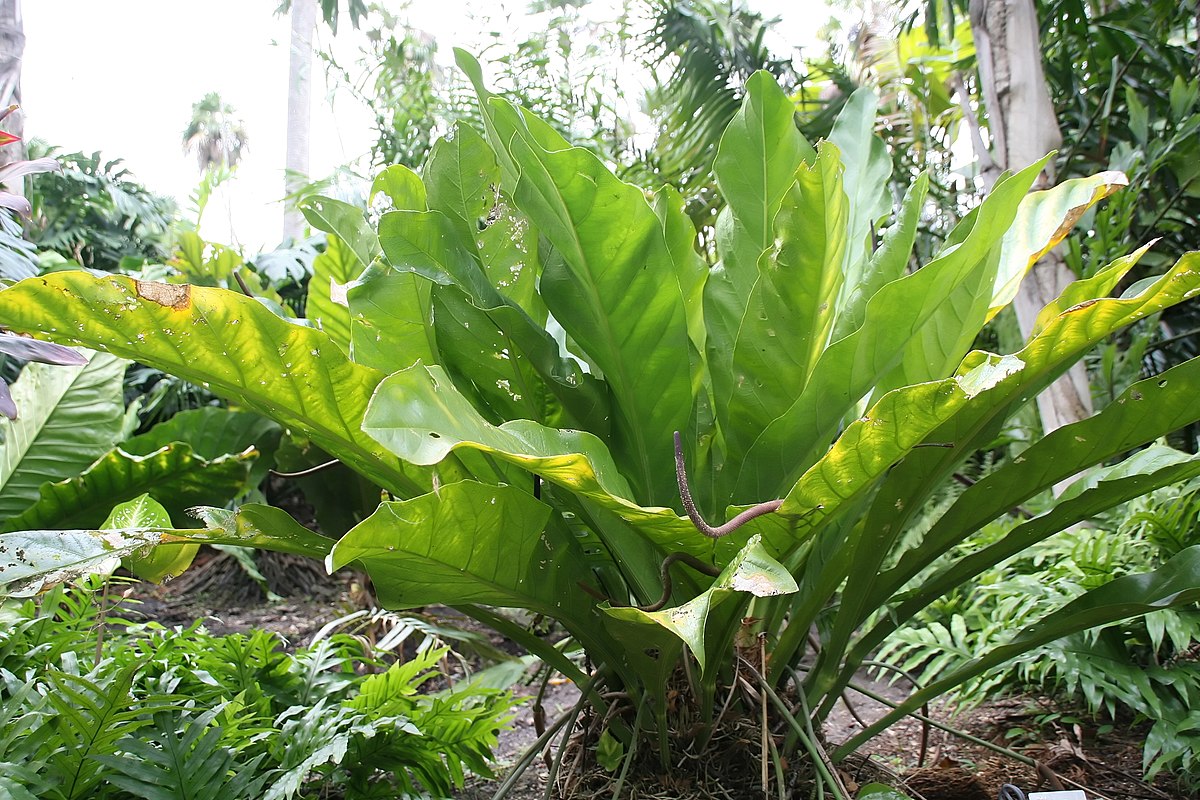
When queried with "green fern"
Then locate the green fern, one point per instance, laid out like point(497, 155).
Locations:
point(91, 714)
point(1145, 666)
point(181, 757)
point(23, 738)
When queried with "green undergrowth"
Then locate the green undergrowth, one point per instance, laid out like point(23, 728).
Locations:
point(1148, 667)
point(94, 706)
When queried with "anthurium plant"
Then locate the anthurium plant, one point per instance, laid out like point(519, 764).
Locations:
point(690, 468)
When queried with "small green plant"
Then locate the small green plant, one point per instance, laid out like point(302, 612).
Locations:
point(152, 712)
point(1144, 666)
point(512, 353)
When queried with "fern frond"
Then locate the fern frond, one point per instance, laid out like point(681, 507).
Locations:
point(181, 758)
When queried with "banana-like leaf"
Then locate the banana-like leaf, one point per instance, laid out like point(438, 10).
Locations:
point(899, 421)
point(1146, 410)
point(613, 287)
point(1043, 221)
point(946, 334)
point(420, 416)
point(690, 268)
point(69, 417)
point(755, 167)
point(1135, 476)
point(174, 475)
point(480, 358)
point(1143, 472)
point(901, 316)
point(462, 179)
point(255, 525)
point(888, 263)
point(1088, 289)
point(1047, 355)
point(33, 560)
point(425, 244)
point(327, 306)
point(1174, 585)
point(390, 325)
point(465, 543)
point(753, 571)
point(211, 433)
point(225, 340)
point(161, 562)
point(868, 167)
point(762, 345)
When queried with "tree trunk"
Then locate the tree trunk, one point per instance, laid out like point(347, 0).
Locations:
point(299, 123)
point(1023, 128)
point(12, 49)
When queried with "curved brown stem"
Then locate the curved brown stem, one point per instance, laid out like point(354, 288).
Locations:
point(692, 562)
point(689, 505)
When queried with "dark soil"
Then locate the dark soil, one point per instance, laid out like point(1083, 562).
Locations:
point(945, 768)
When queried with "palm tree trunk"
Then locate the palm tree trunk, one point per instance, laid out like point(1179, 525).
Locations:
point(1023, 128)
point(299, 122)
point(12, 48)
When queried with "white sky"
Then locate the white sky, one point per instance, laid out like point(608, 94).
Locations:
point(121, 76)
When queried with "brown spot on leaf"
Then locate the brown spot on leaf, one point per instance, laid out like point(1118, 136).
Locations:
point(176, 296)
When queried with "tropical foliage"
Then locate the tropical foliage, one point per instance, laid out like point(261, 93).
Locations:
point(94, 705)
point(93, 213)
point(1146, 665)
point(525, 335)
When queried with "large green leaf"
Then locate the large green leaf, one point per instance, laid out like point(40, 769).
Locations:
point(1146, 410)
point(69, 417)
point(211, 433)
point(481, 359)
point(1047, 355)
point(391, 322)
point(425, 244)
point(889, 261)
point(870, 445)
point(1135, 476)
point(752, 571)
point(1043, 221)
point(762, 345)
point(1142, 472)
point(174, 475)
point(403, 188)
point(868, 167)
point(256, 525)
point(227, 341)
point(161, 562)
point(420, 416)
point(1088, 289)
point(896, 316)
point(33, 560)
point(755, 166)
point(345, 221)
point(948, 333)
point(467, 542)
point(462, 179)
point(327, 306)
point(613, 287)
